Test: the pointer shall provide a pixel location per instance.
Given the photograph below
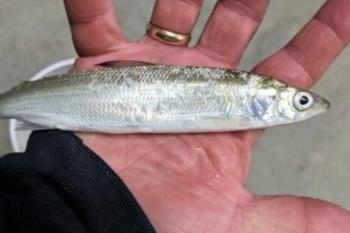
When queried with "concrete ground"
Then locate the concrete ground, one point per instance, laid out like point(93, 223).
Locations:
point(311, 158)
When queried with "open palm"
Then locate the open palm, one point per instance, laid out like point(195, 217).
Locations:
point(195, 182)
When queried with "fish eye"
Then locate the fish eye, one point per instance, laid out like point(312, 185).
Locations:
point(303, 100)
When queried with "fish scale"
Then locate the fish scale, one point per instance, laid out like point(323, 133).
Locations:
point(157, 99)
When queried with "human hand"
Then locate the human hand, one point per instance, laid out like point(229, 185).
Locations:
point(194, 182)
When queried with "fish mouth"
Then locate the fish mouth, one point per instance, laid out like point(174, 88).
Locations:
point(320, 106)
point(322, 103)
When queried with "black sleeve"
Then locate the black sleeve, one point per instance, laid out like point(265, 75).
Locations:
point(59, 185)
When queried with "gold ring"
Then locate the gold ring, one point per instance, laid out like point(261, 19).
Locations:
point(167, 37)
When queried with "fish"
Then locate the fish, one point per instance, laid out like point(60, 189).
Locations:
point(159, 99)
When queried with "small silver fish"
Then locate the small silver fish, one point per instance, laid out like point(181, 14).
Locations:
point(159, 99)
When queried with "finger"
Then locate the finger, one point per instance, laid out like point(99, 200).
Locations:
point(230, 28)
point(94, 26)
point(176, 15)
point(306, 57)
point(292, 214)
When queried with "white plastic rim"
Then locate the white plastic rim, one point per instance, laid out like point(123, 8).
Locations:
point(53, 69)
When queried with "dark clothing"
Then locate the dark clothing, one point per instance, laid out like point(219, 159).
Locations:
point(59, 185)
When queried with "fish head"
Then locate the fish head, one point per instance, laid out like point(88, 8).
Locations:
point(296, 105)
